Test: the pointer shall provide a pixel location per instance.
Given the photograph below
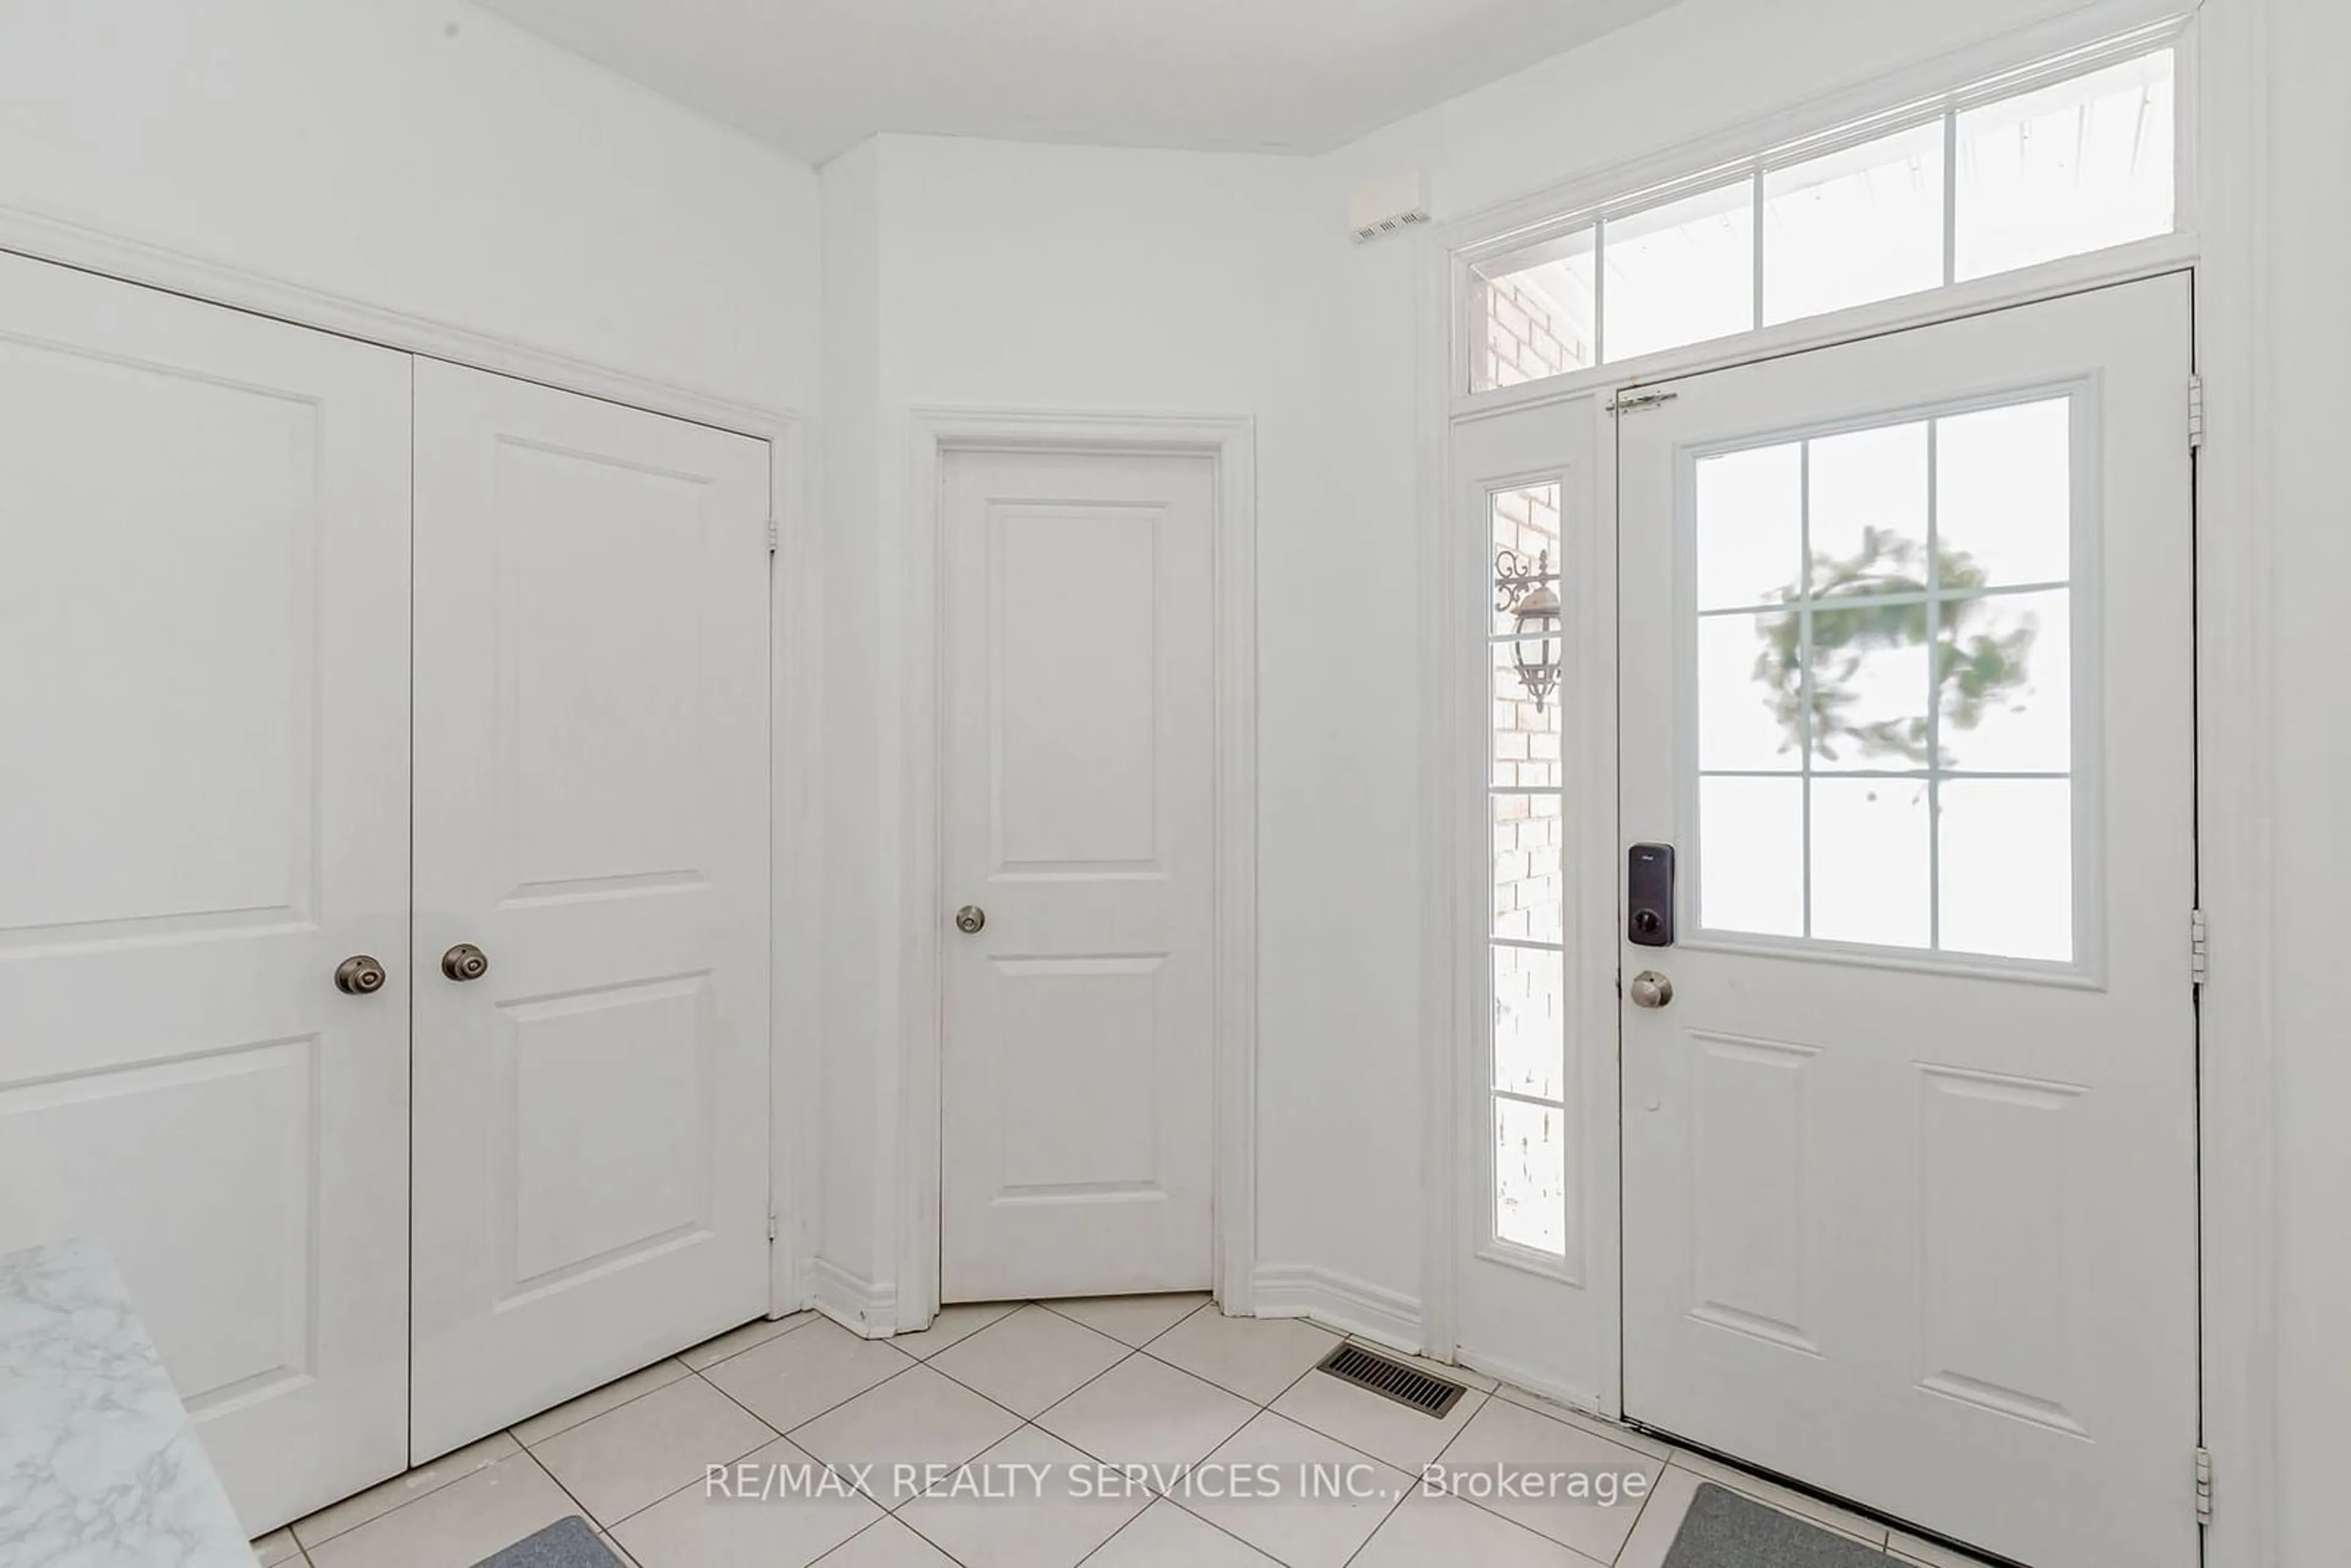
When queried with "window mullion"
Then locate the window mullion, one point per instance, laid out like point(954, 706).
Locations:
point(1934, 692)
point(1600, 291)
point(1757, 226)
point(1950, 197)
point(1804, 652)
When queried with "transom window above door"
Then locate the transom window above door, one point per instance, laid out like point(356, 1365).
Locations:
point(2061, 160)
point(1881, 689)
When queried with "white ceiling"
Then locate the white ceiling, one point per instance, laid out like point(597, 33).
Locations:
point(816, 77)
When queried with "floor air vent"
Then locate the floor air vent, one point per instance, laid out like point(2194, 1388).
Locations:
point(1392, 1379)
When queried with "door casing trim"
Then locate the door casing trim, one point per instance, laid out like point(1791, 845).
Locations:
point(1228, 444)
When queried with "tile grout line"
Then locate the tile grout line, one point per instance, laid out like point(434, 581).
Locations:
point(1128, 1353)
point(405, 1502)
point(691, 1371)
point(912, 1363)
point(773, 1435)
point(1162, 1334)
point(1265, 1408)
point(1132, 1352)
point(1025, 1421)
point(1538, 1535)
point(521, 1446)
point(585, 1512)
point(1029, 1423)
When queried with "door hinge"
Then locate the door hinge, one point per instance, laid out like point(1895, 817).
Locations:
point(772, 1227)
point(2195, 413)
point(1633, 403)
point(2203, 1486)
point(2200, 947)
point(773, 533)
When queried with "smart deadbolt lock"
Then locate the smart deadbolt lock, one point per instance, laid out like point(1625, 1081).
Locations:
point(1649, 896)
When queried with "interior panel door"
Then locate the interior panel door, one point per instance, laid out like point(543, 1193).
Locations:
point(1910, 1139)
point(1077, 1073)
point(203, 810)
point(592, 816)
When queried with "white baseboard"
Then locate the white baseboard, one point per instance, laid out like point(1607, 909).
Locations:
point(864, 1309)
point(1338, 1302)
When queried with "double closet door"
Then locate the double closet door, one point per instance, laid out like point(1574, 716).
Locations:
point(320, 665)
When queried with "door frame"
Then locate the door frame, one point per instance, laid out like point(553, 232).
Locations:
point(1228, 444)
point(2219, 244)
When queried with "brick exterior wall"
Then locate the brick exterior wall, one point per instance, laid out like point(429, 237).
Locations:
point(1525, 341)
point(1528, 831)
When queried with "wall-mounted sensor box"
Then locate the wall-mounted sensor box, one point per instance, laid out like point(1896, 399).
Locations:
point(1386, 205)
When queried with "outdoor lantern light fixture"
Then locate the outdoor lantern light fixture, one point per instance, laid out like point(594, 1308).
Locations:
point(1523, 590)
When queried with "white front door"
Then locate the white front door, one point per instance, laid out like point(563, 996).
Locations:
point(1911, 1151)
point(203, 810)
point(1078, 821)
point(592, 813)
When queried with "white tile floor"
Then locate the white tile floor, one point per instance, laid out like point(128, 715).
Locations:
point(1156, 1380)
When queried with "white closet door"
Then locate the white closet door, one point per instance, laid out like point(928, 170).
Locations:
point(203, 810)
point(592, 812)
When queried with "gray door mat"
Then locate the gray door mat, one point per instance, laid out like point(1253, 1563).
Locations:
point(1724, 1530)
point(566, 1544)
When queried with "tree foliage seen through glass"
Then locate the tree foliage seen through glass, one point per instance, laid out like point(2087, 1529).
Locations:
point(1972, 667)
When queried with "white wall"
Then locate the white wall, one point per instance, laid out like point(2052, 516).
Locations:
point(852, 1225)
point(1089, 279)
point(2302, 407)
point(424, 157)
point(1072, 278)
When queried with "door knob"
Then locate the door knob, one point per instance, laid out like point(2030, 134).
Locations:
point(464, 962)
point(970, 918)
point(1650, 989)
point(359, 976)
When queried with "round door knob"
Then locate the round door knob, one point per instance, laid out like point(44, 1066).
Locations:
point(970, 918)
point(359, 976)
point(464, 962)
point(1650, 989)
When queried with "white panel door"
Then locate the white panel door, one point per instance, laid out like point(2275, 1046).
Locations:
point(1910, 1150)
point(1078, 815)
point(592, 813)
point(203, 810)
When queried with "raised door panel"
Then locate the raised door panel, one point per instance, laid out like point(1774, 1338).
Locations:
point(592, 813)
point(203, 651)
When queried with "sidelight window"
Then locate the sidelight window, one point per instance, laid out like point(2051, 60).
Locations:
point(1529, 862)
